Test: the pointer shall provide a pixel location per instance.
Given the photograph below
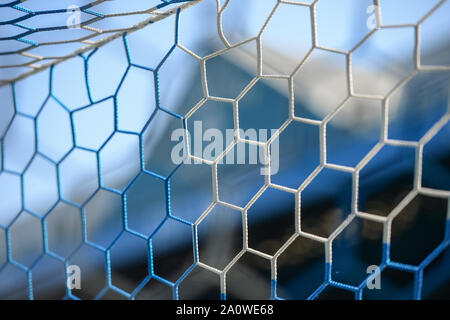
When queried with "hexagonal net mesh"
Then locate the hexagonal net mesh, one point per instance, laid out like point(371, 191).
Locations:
point(346, 103)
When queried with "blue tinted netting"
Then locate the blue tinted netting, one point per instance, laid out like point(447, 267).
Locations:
point(87, 142)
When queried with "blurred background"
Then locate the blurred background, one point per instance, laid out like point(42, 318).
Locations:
point(89, 140)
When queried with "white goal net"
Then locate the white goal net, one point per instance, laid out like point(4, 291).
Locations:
point(224, 149)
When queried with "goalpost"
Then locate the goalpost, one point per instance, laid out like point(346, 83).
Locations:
point(194, 138)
